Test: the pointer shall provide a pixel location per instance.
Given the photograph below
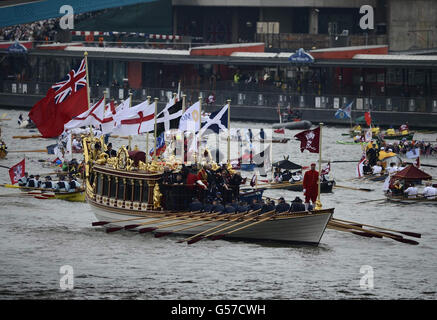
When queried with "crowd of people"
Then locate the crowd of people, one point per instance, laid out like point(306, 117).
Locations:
point(44, 30)
point(33, 181)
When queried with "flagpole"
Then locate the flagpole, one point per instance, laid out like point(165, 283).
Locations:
point(130, 137)
point(85, 54)
point(156, 111)
point(147, 134)
point(184, 97)
point(199, 138)
point(319, 203)
point(229, 130)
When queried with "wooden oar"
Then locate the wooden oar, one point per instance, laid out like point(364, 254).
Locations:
point(203, 217)
point(41, 150)
point(157, 214)
point(165, 233)
point(394, 237)
point(166, 218)
point(28, 137)
point(269, 217)
point(407, 233)
point(359, 233)
point(200, 236)
point(351, 188)
point(367, 201)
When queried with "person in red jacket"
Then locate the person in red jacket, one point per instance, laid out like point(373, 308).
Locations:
point(310, 186)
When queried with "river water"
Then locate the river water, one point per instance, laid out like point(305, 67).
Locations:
point(38, 237)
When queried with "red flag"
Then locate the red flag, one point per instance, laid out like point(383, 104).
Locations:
point(63, 101)
point(309, 140)
point(17, 172)
point(368, 118)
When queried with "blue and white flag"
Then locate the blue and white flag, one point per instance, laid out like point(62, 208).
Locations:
point(217, 121)
point(344, 113)
point(160, 145)
point(413, 154)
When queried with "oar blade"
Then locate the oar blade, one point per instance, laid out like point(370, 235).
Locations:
point(113, 229)
point(162, 234)
point(216, 237)
point(364, 234)
point(409, 241)
point(144, 230)
point(130, 226)
point(196, 239)
point(99, 223)
point(411, 234)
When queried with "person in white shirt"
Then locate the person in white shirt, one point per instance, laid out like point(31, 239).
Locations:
point(392, 169)
point(411, 192)
point(430, 192)
point(377, 169)
point(73, 185)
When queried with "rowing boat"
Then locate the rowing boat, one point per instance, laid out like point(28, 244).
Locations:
point(406, 200)
point(325, 186)
point(76, 196)
point(408, 136)
point(116, 191)
point(302, 124)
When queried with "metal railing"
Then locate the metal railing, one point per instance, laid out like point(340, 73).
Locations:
point(264, 98)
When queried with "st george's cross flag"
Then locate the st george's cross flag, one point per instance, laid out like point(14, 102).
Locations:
point(216, 122)
point(135, 120)
point(309, 140)
point(17, 172)
point(92, 116)
point(63, 101)
point(360, 166)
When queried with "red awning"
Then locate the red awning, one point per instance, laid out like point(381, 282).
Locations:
point(412, 173)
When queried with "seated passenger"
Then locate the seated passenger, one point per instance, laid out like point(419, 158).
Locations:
point(268, 206)
point(207, 207)
point(48, 184)
point(195, 205)
point(73, 185)
point(61, 185)
point(255, 205)
point(217, 207)
point(230, 209)
point(411, 192)
point(243, 207)
point(297, 205)
point(429, 192)
point(22, 182)
point(282, 206)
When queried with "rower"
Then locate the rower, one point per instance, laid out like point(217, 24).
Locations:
point(47, 184)
point(429, 192)
point(196, 205)
point(22, 182)
point(377, 168)
point(411, 191)
point(297, 205)
point(32, 182)
point(61, 185)
point(392, 169)
point(404, 128)
point(282, 206)
point(255, 205)
point(391, 131)
point(73, 185)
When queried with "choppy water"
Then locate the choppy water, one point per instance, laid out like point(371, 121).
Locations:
point(37, 237)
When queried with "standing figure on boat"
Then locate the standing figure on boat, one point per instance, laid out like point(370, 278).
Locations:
point(310, 186)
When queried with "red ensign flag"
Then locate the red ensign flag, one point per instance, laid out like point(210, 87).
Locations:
point(63, 101)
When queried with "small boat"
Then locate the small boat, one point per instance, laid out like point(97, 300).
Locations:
point(406, 200)
point(348, 142)
point(273, 140)
point(301, 124)
point(40, 193)
point(325, 186)
point(408, 136)
point(377, 177)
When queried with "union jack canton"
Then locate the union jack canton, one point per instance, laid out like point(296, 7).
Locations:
point(75, 80)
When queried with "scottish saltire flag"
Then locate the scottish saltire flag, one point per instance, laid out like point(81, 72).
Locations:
point(217, 121)
point(344, 113)
point(413, 154)
point(160, 146)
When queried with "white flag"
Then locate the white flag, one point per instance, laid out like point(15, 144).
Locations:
point(135, 120)
point(92, 116)
point(190, 119)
